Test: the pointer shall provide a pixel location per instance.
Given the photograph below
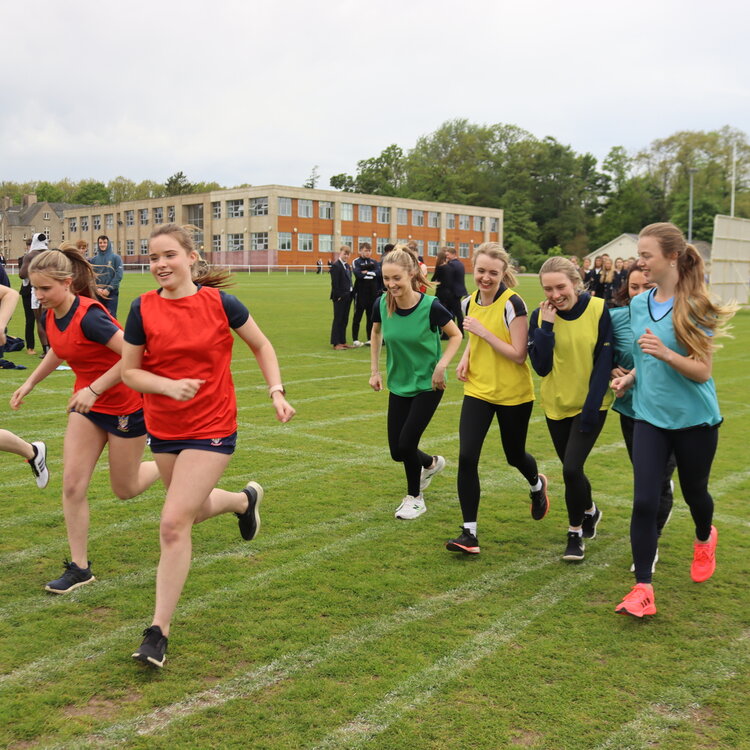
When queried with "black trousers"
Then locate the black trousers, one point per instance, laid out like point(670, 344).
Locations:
point(476, 418)
point(362, 305)
point(573, 447)
point(408, 418)
point(340, 319)
point(666, 498)
point(694, 450)
point(30, 320)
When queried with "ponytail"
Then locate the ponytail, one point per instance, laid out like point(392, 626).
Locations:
point(401, 256)
point(67, 263)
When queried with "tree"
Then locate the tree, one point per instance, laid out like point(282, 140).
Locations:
point(312, 180)
point(91, 192)
point(343, 182)
point(46, 191)
point(178, 184)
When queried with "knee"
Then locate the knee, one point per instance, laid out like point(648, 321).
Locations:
point(172, 530)
point(396, 454)
point(124, 491)
point(571, 473)
point(74, 488)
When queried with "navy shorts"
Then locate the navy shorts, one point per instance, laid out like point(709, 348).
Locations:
point(214, 445)
point(125, 425)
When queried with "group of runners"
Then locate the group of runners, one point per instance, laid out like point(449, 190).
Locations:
point(158, 377)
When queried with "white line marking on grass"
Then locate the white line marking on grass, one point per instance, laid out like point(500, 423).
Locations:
point(49, 666)
point(243, 685)
point(420, 687)
point(680, 703)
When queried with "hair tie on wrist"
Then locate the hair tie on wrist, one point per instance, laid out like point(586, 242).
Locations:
point(93, 391)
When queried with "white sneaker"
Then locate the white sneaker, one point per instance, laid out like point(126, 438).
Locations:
point(653, 564)
point(357, 344)
point(411, 508)
point(428, 474)
point(38, 465)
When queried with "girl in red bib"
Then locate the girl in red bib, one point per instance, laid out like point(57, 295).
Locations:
point(102, 410)
point(178, 353)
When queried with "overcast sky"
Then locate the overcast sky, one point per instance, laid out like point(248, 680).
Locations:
point(245, 91)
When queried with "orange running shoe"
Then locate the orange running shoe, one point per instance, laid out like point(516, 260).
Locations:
point(704, 558)
point(639, 602)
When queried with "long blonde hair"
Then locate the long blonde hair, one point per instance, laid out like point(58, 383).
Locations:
point(558, 264)
point(202, 272)
point(694, 312)
point(497, 251)
point(401, 256)
point(67, 263)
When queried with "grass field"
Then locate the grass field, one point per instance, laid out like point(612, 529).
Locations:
point(340, 627)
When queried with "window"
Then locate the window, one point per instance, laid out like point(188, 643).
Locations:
point(129, 247)
point(305, 242)
point(235, 208)
point(285, 207)
point(216, 243)
point(72, 225)
point(433, 219)
point(463, 221)
point(84, 223)
point(479, 223)
point(432, 248)
point(450, 221)
point(285, 238)
point(304, 208)
point(347, 212)
point(325, 243)
point(46, 216)
point(215, 210)
point(143, 216)
point(96, 223)
point(364, 213)
point(382, 242)
point(170, 213)
point(129, 218)
point(463, 249)
point(325, 210)
point(420, 247)
point(195, 217)
point(259, 206)
point(235, 242)
point(144, 247)
point(159, 215)
point(259, 240)
point(384, 215)
point(402, 216)
point(109, 221)
point(417, 218)
point(402, 242)
point(347, 240)
point(493, 224)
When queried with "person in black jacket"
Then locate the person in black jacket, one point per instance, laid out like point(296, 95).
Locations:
point(366, 286)
point(341, 295)
point(455, 282)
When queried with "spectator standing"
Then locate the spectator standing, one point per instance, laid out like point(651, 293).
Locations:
point(108, 266)
point(456, 282)
point(28, 313)
point(366, 285)
point(37, 246)
point(341, 296)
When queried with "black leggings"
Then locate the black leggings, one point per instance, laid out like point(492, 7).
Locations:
point(408, 417)
point(666, 497)
point(694, 450)
point(476, 418)
point(573, 447)
point(30, 320)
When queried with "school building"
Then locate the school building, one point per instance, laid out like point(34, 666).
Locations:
point(286, 226)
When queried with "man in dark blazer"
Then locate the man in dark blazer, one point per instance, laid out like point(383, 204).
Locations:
point(341, 295)
point(456, 283)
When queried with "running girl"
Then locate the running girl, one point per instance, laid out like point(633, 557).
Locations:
point(102, 410)
point(675, 402)
point(497, 383)
point(34, 453)
point(635, 283)
point(190, 405)
point(410, 323)
point(570, 347)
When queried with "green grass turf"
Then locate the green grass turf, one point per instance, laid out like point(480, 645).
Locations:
point(342, 627)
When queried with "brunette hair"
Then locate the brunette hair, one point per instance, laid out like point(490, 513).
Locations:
point(694, 312)
point(67, 263)
point(496, 250)
point(202, 272)
point(621, 298)
point(82, 245)
point(401, 256)
point(558, 264)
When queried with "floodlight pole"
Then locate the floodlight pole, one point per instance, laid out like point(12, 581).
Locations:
point(691, 173)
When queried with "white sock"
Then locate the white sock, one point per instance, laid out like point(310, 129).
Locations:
point(591, 512)
point(536, 487)
point(575, 531)
point(471, 527)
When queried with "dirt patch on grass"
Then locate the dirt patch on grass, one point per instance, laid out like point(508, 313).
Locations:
point(101, 708)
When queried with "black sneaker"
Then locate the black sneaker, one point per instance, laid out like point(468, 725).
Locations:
point(539, 500)
point(38, 464)
point(467, 543)
point(72, 578)
point(154, 647)
point(590, 522)
point(575, 548)
point(249, 521)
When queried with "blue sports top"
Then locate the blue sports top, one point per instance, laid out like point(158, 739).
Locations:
point(622, 336)
point(662, 396)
